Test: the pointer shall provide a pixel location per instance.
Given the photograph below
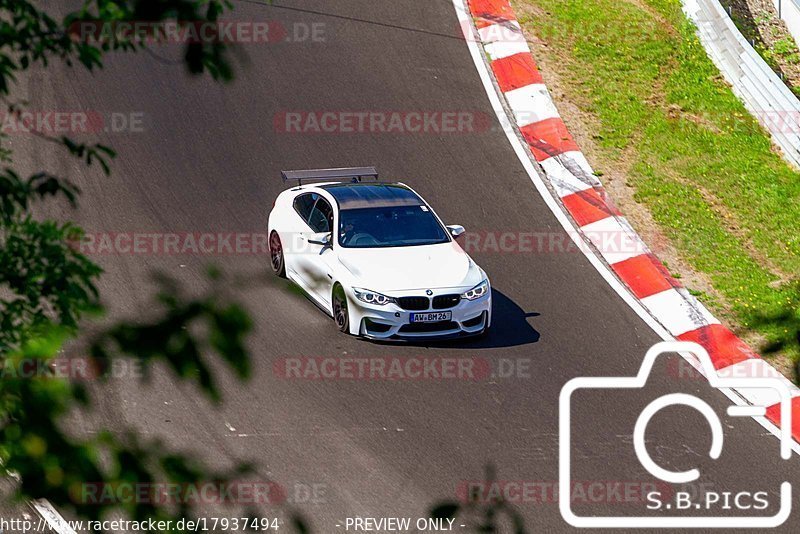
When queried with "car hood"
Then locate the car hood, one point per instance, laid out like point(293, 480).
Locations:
point(403, 268)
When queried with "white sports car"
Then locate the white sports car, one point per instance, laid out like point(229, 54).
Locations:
point(376, 257)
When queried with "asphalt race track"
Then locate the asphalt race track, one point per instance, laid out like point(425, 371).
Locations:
point(208, 159)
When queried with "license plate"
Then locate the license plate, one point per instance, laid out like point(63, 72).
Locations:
point(431, 317)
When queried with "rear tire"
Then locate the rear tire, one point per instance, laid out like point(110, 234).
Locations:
point(276, 256)
point(340, 312)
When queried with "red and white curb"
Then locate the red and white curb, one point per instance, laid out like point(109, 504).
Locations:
point(573, 183)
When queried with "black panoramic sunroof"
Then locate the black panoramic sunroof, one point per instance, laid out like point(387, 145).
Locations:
point(352, 196)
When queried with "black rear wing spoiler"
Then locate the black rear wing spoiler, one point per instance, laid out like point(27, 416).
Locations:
point(348, 174)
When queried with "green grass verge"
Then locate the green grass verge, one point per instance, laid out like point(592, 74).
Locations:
point(697, 160)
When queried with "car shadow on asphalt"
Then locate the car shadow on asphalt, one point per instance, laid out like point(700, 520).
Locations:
point(511, 327)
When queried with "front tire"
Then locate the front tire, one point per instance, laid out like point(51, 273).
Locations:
point(340, 311)
point(276, 256)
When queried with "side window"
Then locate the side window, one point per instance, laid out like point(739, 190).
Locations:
point(321, 219)
point(303, 205)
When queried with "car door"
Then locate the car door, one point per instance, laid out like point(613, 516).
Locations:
point(297, 232)
point(318, 258)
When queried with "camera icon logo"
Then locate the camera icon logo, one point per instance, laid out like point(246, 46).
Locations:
point(675, 477)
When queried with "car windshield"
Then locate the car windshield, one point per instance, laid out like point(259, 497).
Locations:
point(390, 226)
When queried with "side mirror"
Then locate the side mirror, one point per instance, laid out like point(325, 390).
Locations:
point(322, 238)
point(455, 230)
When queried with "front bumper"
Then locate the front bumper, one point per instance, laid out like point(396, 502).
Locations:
point(392, 322)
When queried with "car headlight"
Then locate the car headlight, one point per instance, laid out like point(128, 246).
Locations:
point(371, 297)
point(477, 291)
